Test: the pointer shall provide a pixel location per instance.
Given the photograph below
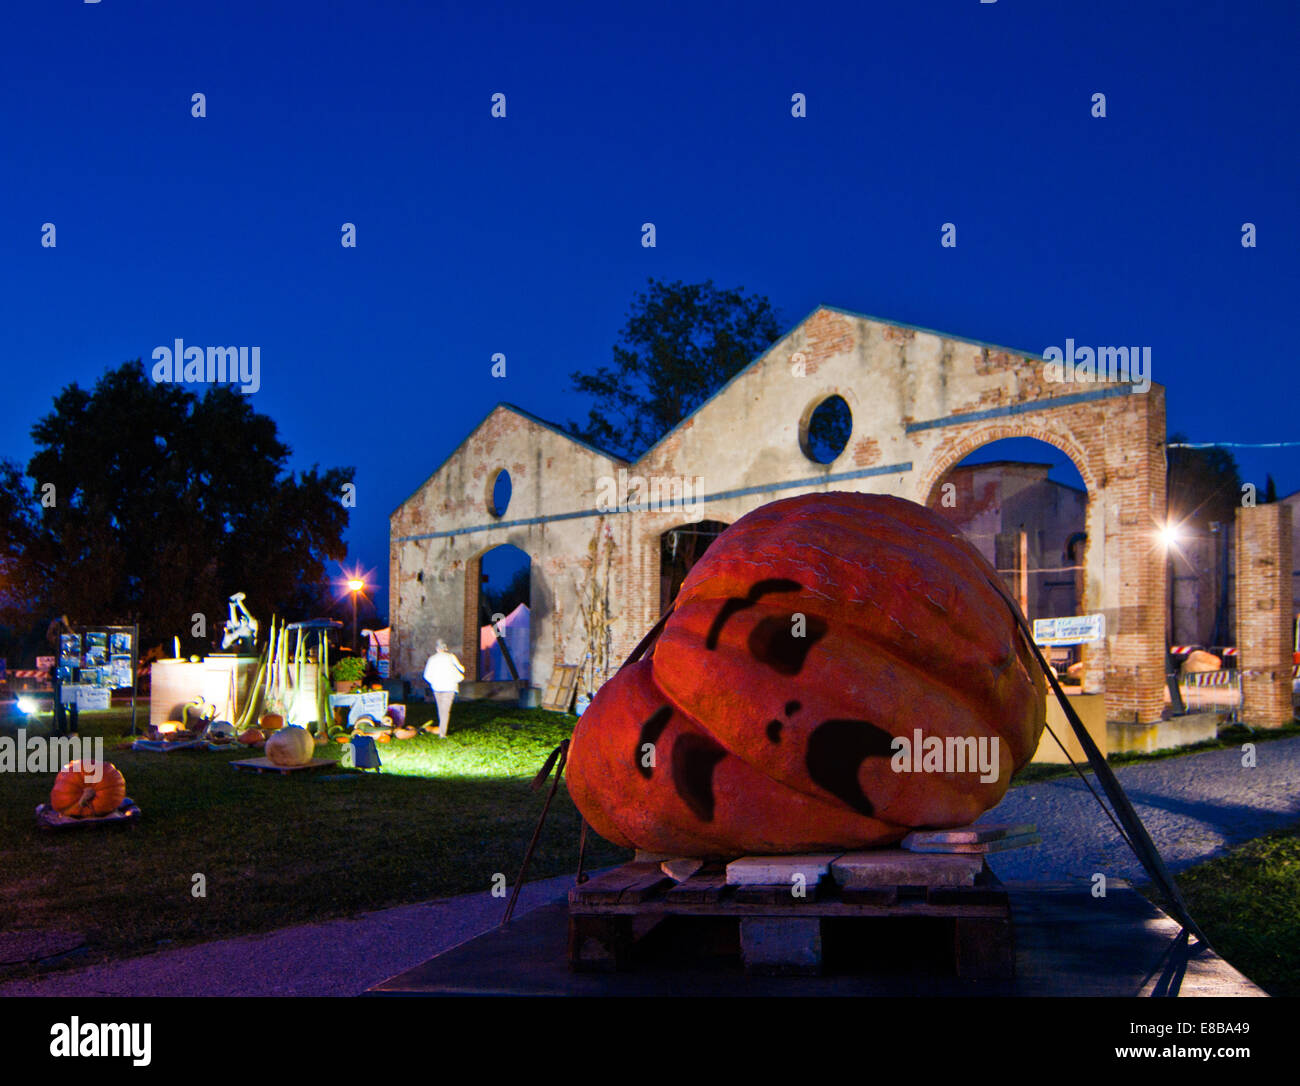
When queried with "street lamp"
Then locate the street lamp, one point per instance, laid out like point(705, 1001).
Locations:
point(355, 585)
point(1171, 535)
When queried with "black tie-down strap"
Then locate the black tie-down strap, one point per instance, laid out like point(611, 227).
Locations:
point(560, 755)
point(555, 760)
point(1133, 831)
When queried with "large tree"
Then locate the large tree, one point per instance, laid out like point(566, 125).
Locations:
point(150, 504)
point(681, 343)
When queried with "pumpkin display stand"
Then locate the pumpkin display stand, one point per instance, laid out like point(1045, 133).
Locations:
point(127, 814)
point(805, 915)
point(265, 765)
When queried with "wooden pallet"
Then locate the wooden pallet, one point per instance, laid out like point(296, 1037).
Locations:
point(127, 814)
point(781, 932)
point(265, 765)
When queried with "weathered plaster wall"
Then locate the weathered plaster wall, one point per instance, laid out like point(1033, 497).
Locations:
point(920, 402)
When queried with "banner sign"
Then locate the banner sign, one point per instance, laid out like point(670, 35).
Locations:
point(1074, 630)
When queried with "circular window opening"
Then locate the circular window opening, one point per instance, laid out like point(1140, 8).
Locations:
point(500, 494)
point(827, 431)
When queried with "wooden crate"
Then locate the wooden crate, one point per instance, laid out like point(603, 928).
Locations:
point(777, 930)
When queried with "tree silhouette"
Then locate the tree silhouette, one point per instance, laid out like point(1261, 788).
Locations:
point(159, 504)
point(681, 343)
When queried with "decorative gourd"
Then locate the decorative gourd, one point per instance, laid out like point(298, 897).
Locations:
point(271, 722)
point(290, 746)
point(405, 732)
point(810, 635)
point(78, 794)
point(250, 737)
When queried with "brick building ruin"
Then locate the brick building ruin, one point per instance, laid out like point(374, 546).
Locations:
point(920, 402)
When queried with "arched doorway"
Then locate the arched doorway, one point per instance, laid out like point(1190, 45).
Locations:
point(1024, 505)
point(504, 597)
point(679, 549)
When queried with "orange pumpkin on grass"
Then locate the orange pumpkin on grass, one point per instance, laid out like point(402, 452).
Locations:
point(811, 635)
point(88, 790)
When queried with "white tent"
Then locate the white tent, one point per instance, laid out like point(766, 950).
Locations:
point(515, 628)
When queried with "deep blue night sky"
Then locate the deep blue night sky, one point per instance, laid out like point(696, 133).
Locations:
point(522, 235)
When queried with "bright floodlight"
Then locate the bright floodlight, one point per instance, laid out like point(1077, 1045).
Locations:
point(1171, 534)
point(27, 705)
point(356, 585)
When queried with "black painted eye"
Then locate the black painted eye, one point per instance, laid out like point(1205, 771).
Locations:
point(694, 759)
point(651, 730)
point(836, 749)
point(773, 642)
point(736, 604)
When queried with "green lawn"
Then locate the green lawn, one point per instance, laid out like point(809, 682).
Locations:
point(1248, 905)
point(442, 818)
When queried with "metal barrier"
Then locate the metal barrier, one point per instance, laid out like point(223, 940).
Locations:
point(1228, 681)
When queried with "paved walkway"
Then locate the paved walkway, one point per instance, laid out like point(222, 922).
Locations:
point(1195, 807)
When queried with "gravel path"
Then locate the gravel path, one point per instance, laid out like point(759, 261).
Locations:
point(1194, 807)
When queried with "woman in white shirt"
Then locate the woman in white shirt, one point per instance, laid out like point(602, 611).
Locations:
point(443, 672)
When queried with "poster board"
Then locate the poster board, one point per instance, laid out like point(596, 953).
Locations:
point(102, 658)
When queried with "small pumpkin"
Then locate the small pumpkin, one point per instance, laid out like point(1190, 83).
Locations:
point(88, 790)
point(290, 746)
point(250, 737)
point(405, 732)
point(271, 722)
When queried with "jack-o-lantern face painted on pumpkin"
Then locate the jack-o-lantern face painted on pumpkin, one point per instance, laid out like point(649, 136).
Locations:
point(811, 634)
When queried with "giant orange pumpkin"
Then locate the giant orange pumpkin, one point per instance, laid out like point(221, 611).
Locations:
point(813, 633)
point(78, 794)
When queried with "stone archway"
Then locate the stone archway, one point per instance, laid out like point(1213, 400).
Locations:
point(1117, 446)
point(940, 471)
